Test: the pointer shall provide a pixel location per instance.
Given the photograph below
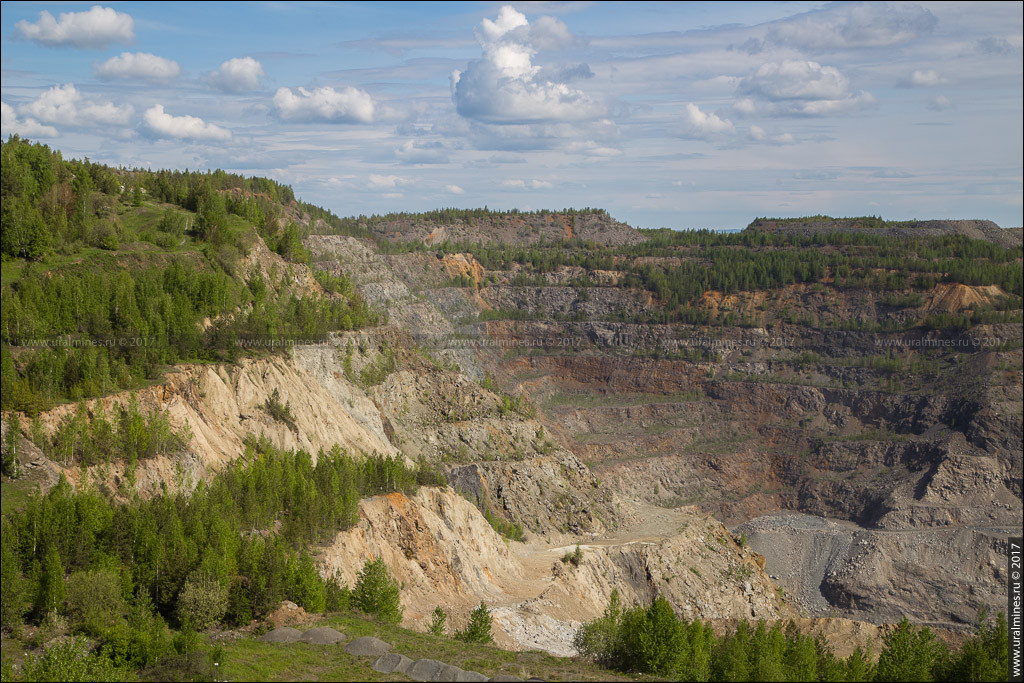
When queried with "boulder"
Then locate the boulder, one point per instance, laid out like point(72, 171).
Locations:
point(322, 635)
point(284, 634)
point(368, 646)
point(392, 662)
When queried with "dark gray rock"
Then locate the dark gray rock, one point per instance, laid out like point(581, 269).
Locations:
point(322, 635)
point(392, 662)
point(425, 670)
point(285, 634)
point(368, 646)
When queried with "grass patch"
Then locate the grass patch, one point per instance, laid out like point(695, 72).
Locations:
point(247, 659)
point(15, 493)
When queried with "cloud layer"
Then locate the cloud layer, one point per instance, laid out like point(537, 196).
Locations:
point(858, 25)
point(798, 88)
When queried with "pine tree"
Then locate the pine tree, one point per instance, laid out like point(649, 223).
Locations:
point(377, 593)
point(909, 654)
point(13, 602)
point(478, 630)
point(438, 622)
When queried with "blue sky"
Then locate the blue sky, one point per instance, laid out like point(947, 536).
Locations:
point(683, 115)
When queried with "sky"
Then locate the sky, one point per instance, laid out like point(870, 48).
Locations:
point(679, 115)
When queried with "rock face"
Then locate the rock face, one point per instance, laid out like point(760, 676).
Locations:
point(221, 405)
point(445, 553)
point(917, 573)
point(554, 301)
point(899, 442)
point(524, 228)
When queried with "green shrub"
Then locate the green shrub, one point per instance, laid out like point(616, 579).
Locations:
point(338, 596)
point(596, 639)
point(307, 589)
point(504, 527)
point(94, 601)
point(574, 558)
point(202, 601)
point(9, 463)
point(194, 665)
point(428, 475)
point(14, 596)
point(131, 647)
point(377, 593)
point(909, 654)
point(651, 639)
point(50, 587)
point(377, 371)
point(71, 660)
point(478, 630)
point(281, 413)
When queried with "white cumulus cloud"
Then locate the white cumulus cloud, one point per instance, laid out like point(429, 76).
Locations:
point(96, 28)
point(385, 181)
point(796, 87)
point(237, 75)
point(700, 125)
point(505, 87)
point(138, 65)
point(185, 127)
point(10, 124)
point(454, 189)
point(923, 78)
point(516, 184)
point(64, 105)
point(350, 105)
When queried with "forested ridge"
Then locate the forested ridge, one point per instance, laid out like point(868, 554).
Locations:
point(680, 267)
point(109, 275)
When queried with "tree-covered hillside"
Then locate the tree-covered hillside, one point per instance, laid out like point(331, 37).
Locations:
point(111, 274)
